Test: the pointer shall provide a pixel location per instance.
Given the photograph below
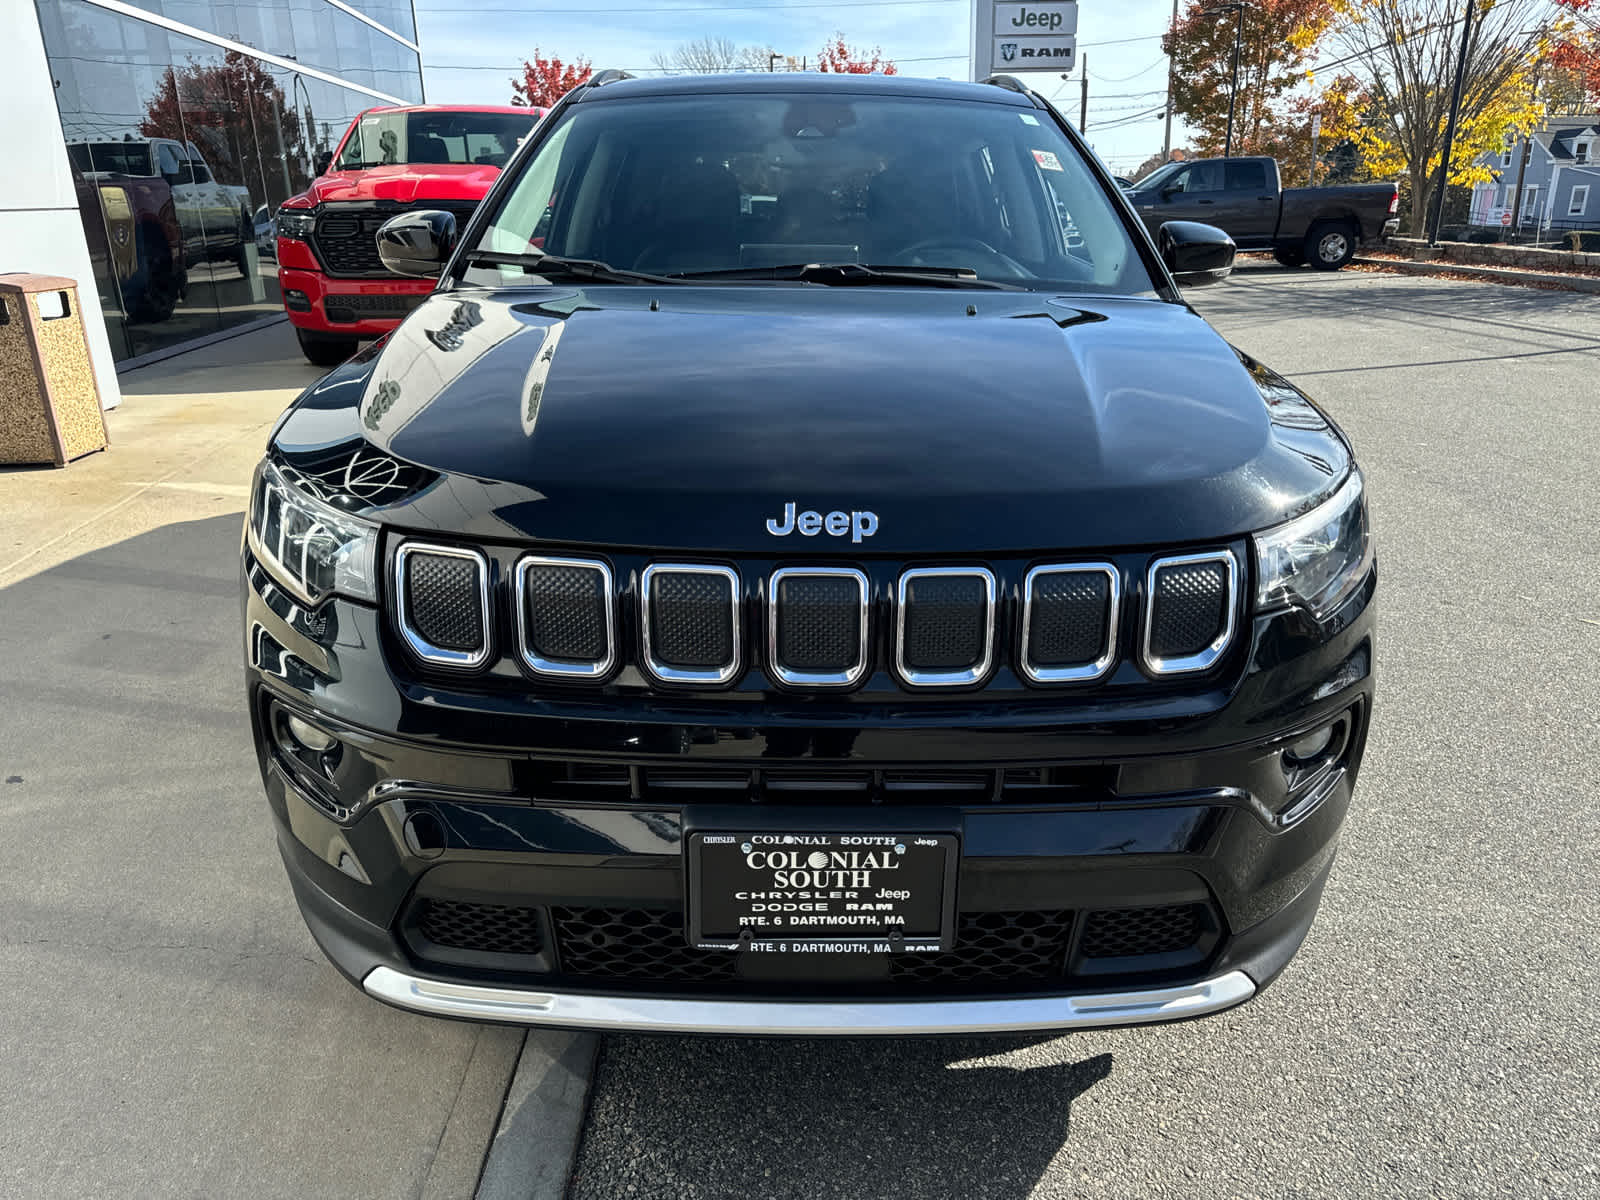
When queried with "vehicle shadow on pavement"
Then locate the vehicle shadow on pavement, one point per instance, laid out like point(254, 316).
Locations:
point(783, 1118)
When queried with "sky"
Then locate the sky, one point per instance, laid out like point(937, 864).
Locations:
point(471, 48)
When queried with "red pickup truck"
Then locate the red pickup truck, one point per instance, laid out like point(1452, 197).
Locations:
point(435, 156)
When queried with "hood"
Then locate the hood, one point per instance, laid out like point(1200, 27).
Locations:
point(405, 183)
point(688, 418)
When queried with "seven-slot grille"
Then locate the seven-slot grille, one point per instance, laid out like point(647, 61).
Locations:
point(1189, 607)
point(817, 620)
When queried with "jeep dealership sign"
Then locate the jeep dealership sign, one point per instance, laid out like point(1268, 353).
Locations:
point(1011, 38)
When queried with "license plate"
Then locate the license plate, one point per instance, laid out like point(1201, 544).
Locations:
point(823, 893)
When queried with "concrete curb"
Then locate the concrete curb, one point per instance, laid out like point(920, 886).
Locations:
point(1570, 283)
point(533, 1151)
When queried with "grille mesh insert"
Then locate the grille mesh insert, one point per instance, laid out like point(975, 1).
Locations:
point(486, 928)
point(443, 603)
point(566, 612)
point(1121, 932)
point(945, 622)
point(1067, 623)
point(994, 946)
point(633, 943)
point(1190, 608)
point(691, 619)
point(819, 623)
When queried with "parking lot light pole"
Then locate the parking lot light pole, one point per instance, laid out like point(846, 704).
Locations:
point(1238, 40)
point(1450, 126)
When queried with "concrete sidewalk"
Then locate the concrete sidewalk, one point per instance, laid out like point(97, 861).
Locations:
point(170, 1028)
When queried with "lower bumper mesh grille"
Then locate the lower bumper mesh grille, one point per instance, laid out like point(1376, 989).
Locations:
point(995, 951)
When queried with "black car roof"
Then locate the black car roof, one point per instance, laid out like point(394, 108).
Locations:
point(805, 83)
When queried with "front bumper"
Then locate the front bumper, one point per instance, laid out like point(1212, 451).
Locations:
point(807, 1018)
point(442, 801)
point(357, 308)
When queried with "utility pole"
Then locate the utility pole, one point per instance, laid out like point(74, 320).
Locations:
point(1450, 126)
point(772, 57)
point(1083, 103)
point(1172, 39)
point(1522, 170)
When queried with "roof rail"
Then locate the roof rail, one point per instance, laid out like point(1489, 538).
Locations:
point(609, 75)
point(1012, 84)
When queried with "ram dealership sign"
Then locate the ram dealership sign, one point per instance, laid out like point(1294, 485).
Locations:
point(1011, 38)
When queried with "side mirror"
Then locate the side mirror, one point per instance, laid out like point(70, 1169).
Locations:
point(420, 243)
point(1168, 193)
point(1196, 254)
point(321, 163)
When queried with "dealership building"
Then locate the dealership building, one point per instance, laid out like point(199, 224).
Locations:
point(148, 141)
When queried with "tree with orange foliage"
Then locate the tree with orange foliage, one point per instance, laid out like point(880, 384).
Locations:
point(546, 80)
point(1575, 55)
point(843, 59)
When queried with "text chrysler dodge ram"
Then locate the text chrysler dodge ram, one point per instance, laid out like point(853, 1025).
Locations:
point(781, 582)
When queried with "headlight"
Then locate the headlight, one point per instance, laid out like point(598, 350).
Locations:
point(309, 547)
point(295, 223)
point(1315, 560)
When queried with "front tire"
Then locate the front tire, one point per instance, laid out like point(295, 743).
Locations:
point(325, 349)
point(1330, 245)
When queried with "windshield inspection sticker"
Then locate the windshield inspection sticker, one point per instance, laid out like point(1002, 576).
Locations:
point(1046, 160)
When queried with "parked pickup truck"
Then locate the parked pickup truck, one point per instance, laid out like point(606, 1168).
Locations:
point(1245, 198)
point(391, 160)
point(214, 217)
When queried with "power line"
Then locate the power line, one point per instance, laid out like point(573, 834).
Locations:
point(721, 70)
point(1124, 78)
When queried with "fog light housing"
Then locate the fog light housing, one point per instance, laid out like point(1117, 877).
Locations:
point(1311, 747)
point(296, 301)
point(309, 736)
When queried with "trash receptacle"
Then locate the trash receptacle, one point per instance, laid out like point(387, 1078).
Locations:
point(49, 397)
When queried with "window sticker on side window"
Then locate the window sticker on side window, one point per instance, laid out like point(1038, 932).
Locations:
point(1047, 160)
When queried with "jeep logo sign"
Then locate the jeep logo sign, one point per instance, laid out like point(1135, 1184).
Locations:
point(1018, 38)
point(836, 524)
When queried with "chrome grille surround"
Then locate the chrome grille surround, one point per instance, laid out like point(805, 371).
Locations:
point(1207, 657)
point(419, 645)
point(1108, 655)
point(565, 668)
point(666, 672)
point(800, 678)
point(961, 677)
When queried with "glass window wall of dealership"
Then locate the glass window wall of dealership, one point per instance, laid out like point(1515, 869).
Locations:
point(182, 149)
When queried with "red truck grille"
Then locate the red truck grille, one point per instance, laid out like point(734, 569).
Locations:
point(346, 236)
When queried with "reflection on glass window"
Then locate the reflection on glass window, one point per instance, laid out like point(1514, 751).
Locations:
point(386, 139)
point(175, 145)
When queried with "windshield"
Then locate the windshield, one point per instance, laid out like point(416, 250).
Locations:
point(1149, 181)
point(388, 139)
point(694, 185)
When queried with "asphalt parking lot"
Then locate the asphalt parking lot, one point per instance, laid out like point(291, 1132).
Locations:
point(170, 1029)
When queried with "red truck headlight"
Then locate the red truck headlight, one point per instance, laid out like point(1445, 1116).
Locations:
point(295, 223)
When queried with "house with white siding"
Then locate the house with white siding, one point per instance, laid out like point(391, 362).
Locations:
point(1560, 182)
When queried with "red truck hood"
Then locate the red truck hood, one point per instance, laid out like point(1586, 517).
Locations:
point(405, 183)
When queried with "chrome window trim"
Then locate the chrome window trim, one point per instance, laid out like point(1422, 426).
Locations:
point(1088, 671)
point(670, 674)
point(817, 678)
point(967, 675)
point(557, 667)
point(1186, 664)
point(419, 645)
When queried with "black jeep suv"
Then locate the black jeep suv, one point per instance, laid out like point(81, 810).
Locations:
point(806, 570)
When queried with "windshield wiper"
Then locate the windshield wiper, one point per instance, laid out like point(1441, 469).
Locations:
point(858, 274)
point(555, 264)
